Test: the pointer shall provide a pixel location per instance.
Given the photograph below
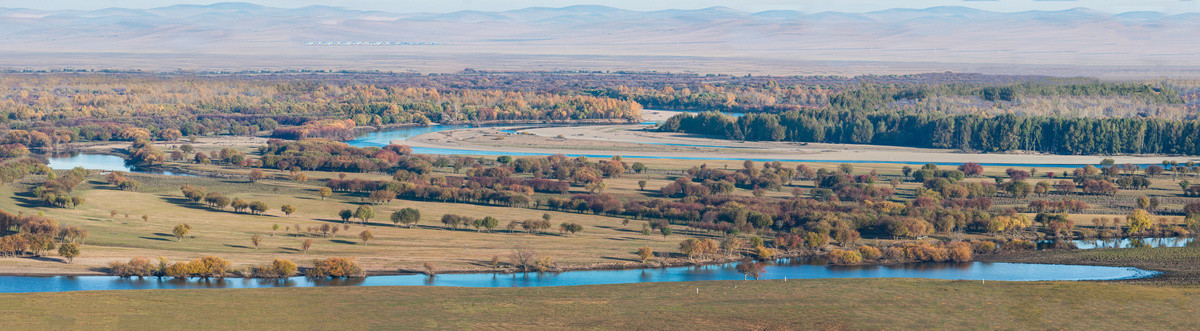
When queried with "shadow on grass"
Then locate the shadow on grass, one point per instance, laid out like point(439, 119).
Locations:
point(185, 203)
point(45, 259)
point(237, 246)
point(620, 259)
point(158, 238)
point(343, 241)
point(620, 229)
point(26, 199)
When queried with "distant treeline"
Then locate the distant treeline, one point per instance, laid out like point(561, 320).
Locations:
point(972, 132)
point(950, 98)
point(41, 110)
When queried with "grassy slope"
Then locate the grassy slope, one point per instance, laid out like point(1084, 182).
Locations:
point(227, 234)
point(848, 303)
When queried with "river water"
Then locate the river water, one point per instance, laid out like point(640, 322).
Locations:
point(103, 162)
point(782, 270)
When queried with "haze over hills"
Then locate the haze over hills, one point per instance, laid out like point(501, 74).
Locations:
point(247, 36)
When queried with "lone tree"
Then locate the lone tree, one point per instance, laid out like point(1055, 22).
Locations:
point(638, 167)
point(364, 213)
point(255, 240)
point(751, 269)
point(324, 192)
point(406, 216)
point(366, 235)
point(645, 253)
point(181, 230)
point(429, 268)
point(69, 251)
point(256, 175)
point(305, 245)
point(287, 209)
point(1139, 221)
point(571, 228)
point(274, 228)
point(345, 214)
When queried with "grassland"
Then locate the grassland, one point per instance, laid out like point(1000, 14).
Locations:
point(809, 304)
point(604, 243)
point(227, 234)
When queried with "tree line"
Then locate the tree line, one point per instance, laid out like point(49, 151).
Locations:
point(968, 132)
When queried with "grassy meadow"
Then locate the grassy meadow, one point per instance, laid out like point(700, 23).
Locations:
point(117, 230)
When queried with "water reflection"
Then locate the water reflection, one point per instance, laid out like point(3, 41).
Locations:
point(101, 162)
point(1119, 243)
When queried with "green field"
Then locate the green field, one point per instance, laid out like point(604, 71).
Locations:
point(809, 304)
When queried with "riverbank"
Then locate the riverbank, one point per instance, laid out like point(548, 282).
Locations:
point(1178, 265)
point(774, 304)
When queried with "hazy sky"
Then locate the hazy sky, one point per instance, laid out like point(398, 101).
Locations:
point(1170, 6)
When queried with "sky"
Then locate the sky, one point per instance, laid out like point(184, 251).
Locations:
point(1111, 6)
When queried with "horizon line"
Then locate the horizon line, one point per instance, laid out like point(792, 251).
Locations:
point(345, 8)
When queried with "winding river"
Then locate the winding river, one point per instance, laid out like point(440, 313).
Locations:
point(385, 137)
point(784, 269)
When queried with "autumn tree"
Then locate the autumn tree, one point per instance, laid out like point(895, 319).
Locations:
point(280, 268)
point(258, 207)
point(1139, 221)
point(752, 269)
point(255, 240)
point(69, 251)
point(324, 192)
point(257, 175)
point(287, 209)
point(181, 230)
point(366, 236)
point(336, 267)
point(305, 245)
point(644, 253)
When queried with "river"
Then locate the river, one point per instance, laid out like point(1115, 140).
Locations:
point(783, 270)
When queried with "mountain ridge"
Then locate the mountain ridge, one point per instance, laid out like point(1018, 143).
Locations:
point(594, 34)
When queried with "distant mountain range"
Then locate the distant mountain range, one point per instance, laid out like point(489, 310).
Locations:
point(247, 36)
